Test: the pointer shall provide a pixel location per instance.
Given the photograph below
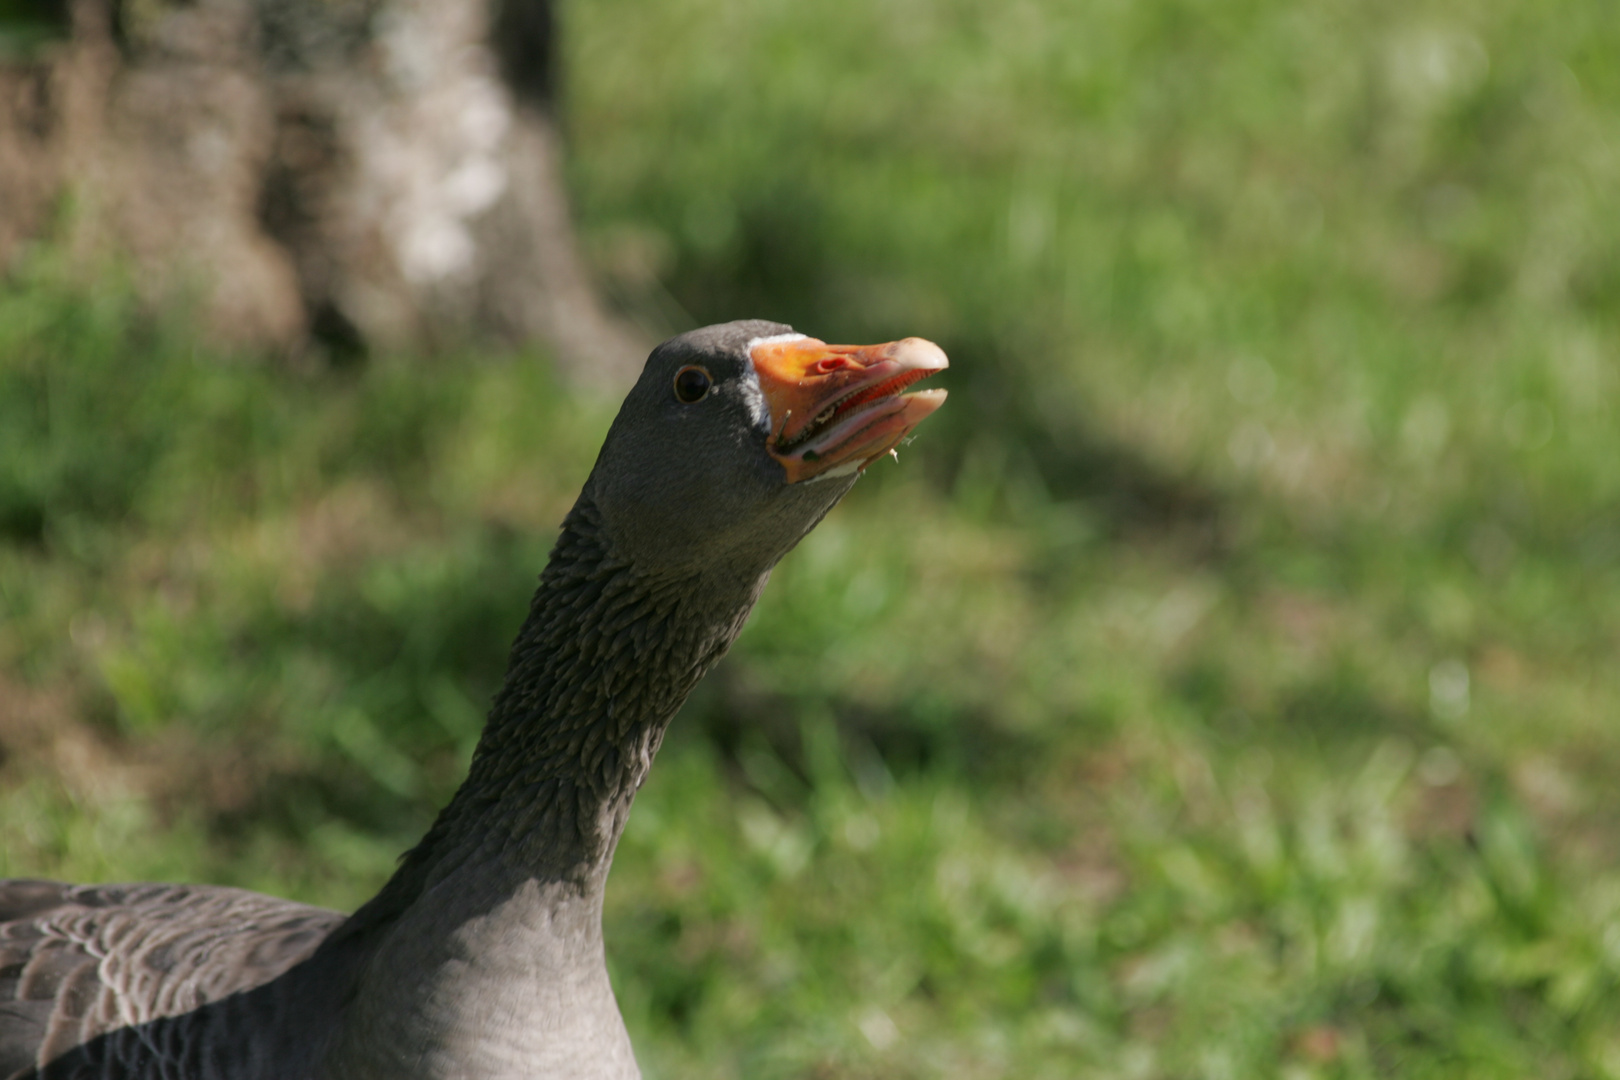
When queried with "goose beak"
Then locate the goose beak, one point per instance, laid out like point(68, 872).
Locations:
point(837, 408)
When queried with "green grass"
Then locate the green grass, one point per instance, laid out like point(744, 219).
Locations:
point(1222, 685)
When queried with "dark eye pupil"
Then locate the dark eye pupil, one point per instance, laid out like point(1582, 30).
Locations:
point(691, 384)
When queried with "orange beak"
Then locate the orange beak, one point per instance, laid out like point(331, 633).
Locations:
point(837, 408)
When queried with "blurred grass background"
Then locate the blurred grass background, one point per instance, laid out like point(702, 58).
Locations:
point(1222, 685)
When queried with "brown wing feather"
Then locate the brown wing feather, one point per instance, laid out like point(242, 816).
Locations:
point(79, 961)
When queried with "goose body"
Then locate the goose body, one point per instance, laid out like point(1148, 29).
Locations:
point(482, 957)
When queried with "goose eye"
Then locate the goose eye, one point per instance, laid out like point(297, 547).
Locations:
point(692, 384)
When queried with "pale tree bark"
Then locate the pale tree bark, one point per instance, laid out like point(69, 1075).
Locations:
point(355, 173)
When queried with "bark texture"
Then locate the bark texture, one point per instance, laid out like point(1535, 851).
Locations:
point(362, 173)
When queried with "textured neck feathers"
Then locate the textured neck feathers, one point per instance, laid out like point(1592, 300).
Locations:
point(603, 661)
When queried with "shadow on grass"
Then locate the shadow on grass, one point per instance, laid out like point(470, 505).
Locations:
point(1130, 497)
point(876, 745)
point(1330, 712)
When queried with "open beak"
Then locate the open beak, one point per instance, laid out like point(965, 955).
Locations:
point(837, 408)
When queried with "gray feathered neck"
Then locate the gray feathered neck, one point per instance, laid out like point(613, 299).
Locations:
point(605, 658)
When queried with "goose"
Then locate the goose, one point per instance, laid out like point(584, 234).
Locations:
point(482, 958)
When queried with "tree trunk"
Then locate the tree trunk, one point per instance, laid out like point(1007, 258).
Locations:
point(356, 173)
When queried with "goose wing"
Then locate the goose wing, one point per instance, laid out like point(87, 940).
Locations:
point(79, 961)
